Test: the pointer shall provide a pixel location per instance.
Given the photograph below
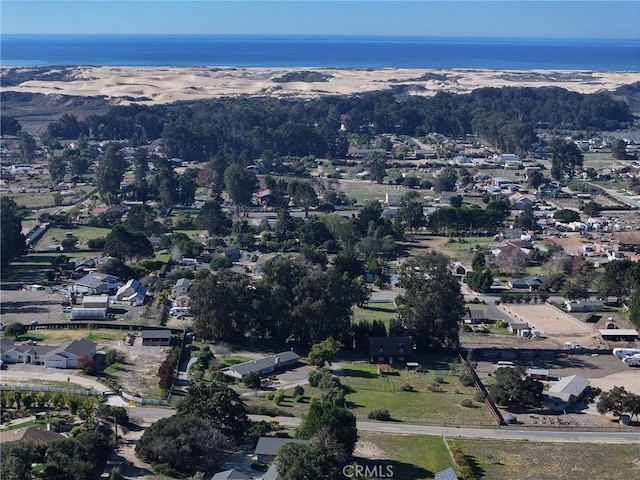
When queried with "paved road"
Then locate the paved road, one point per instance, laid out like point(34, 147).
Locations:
point(505, 433)
point(41, 373)
point(619, 196)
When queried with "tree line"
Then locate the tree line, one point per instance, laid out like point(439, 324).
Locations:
point(505, 117)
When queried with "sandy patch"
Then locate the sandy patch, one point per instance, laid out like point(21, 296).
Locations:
point(164, 85)
point(629, 379)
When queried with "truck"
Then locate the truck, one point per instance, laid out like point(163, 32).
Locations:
point(625, 352)
point(632, 361)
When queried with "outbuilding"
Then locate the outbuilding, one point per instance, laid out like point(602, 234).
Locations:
point(263, 366)
point(156, 338)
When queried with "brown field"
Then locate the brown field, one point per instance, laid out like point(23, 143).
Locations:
point(551, 461)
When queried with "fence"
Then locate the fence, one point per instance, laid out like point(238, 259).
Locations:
point(482, 389)
point(34, 388)
point(443, 420)
point(143, 401)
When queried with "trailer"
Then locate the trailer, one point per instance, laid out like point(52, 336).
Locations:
point(632, 361)
point(625, 352)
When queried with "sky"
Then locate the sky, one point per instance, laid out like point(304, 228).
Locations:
point(608, 19)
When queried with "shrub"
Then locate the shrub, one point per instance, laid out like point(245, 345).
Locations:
point(478, 396)
point(298, 390)
point(268, 411)
point(407, 388)
point(278, 397)
point(269, 396)
point(299, 398)
point(434, 387)
point(381, 414)
point(439, 379)
point(466, 379)
point(467, 403)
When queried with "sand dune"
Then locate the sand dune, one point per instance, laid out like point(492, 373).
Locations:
point(165, 85)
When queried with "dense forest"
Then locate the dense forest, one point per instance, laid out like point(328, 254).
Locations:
point(504, 117)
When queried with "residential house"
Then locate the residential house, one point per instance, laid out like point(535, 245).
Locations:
point(264, 366)
point(519, 200)
point(231, 475)
point(393, 198)
point(517, 327)
point(532, 284)
point(98, 283)
point(232, 252)
point(132, 292)
point(501, 182)
point(118, 209)
point(67, 354)
point(390, 349)
point(267, 448)
point(263, 196)
point(181, 287)
point(459, 270)
point(35, 434)
point(475, 316)
point(566, 392)
point(62, 356)
point(584, 306)
point(156, 338)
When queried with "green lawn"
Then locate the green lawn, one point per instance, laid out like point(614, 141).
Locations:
point(363, 192)
point(368, 391)
point(412, 456)
point(465, 244)
point(550, 461)
point(375, 311)
point(83, 234)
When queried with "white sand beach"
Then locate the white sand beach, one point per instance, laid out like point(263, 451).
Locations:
point(124, 85)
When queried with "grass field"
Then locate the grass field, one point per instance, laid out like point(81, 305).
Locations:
point(54, 337)
point(368, 391)
point(542, 461)
point(365, 191)
point(375, 311)
point(83, 234)
point(412, 456)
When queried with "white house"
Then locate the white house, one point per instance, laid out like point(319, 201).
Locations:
point(132, 292)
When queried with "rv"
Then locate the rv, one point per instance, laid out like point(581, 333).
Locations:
point(179, 311)
point(625, 352)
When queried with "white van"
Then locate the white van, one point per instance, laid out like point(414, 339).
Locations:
point(179, 311)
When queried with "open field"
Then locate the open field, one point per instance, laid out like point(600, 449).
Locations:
point(412, 456)
point(365, 190)
point(368, 391)
point(552, 461)
point(83, 234)
point(374, 311)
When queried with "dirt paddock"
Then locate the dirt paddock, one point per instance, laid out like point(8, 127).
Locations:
point(549, 320)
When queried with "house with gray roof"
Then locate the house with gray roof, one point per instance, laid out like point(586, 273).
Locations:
point(98, 283)
point(566, 392)
point(132, 292)
point(390, 350)
point(264, 366)
point(65, 355)
point(231, 475)
point(34, 434)
point(268, 447)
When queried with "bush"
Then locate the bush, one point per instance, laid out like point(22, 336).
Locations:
point(478, 396)
point(299, 399)
point(466, 379)
point(407, 388)
point(278, 397)
point(268, 411)
point(298, 390)
point(434, 387)
point(467, 403)
point(439, 379)
point(381, 414)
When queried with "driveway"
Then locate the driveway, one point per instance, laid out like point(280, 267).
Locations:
point(31, 374)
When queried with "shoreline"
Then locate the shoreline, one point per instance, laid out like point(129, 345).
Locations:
point(161, 85)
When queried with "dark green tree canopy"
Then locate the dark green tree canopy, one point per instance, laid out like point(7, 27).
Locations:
point(432, 304)
point(340, 422)
point(12, 241)
point(219, 405)
point(124, 244)
point(512, 390)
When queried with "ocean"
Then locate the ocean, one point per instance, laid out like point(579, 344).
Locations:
point(320, 52)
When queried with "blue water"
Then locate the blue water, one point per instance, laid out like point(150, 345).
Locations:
point(338, 52)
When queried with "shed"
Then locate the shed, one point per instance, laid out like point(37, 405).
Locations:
point(96, 301)
point(268, 447)
point(156, 337)
point(619, 334)
point(537, 373)
point(390, 349)
point(515, 327)
point(584, 306)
